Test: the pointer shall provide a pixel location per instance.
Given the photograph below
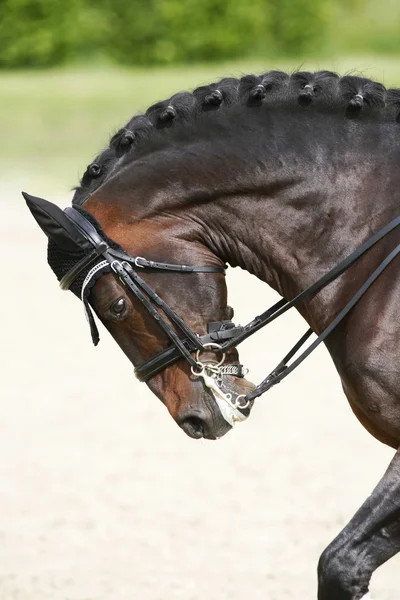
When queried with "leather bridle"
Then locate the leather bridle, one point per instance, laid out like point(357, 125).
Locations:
point(223, 335)
point(126, 269)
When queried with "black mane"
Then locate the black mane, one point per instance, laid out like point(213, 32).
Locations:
point(348, 96)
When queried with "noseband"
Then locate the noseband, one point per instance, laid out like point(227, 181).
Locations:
point(222, 335)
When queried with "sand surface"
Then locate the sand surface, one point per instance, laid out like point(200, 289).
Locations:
point(102, 497)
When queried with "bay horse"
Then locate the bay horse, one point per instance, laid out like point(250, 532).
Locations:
point(284, 176)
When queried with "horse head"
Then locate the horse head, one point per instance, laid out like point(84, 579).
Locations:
point(152, 284)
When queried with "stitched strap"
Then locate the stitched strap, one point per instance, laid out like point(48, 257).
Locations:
point(154, 365)
point(143, 263)
point(151, 264)
point(236, 370)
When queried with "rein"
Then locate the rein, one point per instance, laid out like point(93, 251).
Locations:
point(223, 335)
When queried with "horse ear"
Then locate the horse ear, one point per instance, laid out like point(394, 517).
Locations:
point(56, 225)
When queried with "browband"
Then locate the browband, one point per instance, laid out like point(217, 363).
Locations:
point(101, 246)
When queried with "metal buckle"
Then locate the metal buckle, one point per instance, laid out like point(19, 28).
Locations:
point(136, 262)
point(115, 262)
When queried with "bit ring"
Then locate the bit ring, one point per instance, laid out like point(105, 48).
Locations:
point(213, 347)
point(242, 406)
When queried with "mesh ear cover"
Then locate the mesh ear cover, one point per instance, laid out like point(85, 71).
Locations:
point(56, 225)
point(61, 261)
point(67, 246)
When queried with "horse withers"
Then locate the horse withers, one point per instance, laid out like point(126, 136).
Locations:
point(285, 176)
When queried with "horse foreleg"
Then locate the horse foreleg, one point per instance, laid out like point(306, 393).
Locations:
point(370, 539)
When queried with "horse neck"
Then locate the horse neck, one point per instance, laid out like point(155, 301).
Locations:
point(304, 215)
point(286, 206)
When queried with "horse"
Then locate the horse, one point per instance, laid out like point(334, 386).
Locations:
point(284, 175)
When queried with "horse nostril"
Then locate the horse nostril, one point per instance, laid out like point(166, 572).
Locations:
point(193, 427)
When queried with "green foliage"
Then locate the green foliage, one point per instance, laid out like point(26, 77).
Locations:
point(167, 31)
point(370, 23)
point(35, 32)
point(299, 26)
point(46, 32)
point(142, 32)
point(41, 33)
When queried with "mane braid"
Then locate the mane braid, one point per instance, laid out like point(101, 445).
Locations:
point(349, 97)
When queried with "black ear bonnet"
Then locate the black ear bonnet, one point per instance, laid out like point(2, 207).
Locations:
point(67, 247)
point(79, 253)
point(61, 261)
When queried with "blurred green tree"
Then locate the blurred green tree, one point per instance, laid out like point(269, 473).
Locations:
point(38, 33)
point(299, 26)
point(166, 31)
point(41, 33)
point(34, 32)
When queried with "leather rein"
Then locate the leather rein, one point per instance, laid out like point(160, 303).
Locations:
point(222, 335)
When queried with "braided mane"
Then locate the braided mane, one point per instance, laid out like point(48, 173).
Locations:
point(349, 96)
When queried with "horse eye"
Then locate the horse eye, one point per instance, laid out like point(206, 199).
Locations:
point(118, 307)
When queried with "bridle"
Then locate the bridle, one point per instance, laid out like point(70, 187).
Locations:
point(222, 335)
point(184, 343)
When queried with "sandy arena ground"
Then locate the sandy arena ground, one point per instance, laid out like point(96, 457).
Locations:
point(102, 497)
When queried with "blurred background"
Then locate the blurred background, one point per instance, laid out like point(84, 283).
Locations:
point(101, 496)
point(72, 73)
point(43, 33)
